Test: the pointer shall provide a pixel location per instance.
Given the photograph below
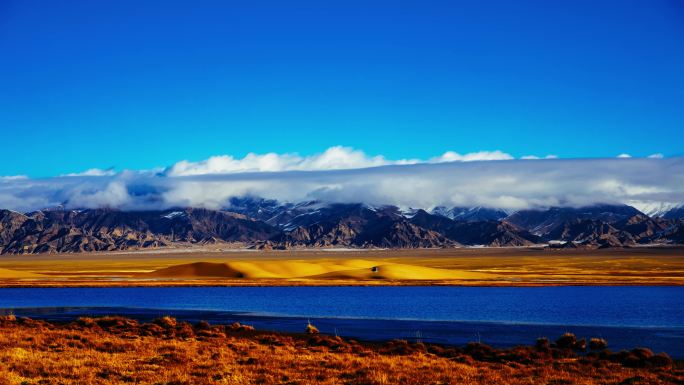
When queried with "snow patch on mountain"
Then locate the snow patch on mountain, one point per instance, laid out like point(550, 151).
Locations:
point(174, 214)
point(655, 209)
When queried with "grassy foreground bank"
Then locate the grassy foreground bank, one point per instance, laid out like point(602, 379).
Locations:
point(120, 350)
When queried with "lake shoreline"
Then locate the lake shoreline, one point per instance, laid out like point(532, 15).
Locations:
point(497, 333)
point(281, 283)
point(649, 316)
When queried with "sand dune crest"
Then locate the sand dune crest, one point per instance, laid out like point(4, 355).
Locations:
point(196, 270)
point(351, 269)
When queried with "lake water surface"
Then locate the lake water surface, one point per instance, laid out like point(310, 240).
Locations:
point(502, 316)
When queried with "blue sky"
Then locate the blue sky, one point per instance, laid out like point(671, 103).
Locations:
point(129, 85)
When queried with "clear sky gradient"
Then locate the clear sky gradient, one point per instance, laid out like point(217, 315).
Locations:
point(130, 85)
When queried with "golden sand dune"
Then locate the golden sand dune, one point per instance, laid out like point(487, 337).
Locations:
point(196, 270)
point(15, 274)
point(356, 269)
point(396, 271)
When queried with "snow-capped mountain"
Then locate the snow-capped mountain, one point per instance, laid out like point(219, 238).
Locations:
point(470, 214)
point(260, 223)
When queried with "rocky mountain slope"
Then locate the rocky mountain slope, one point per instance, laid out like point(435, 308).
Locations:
point(541, 222)
point(675, 213)
point(484, 232)
point(103, 229)
point(360, 226)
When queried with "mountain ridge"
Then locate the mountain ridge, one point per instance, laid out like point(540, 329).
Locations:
point(262, 224)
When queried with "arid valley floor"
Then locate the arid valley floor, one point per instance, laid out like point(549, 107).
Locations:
point(466, 266)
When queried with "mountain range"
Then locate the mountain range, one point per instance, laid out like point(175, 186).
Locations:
point(268, 224)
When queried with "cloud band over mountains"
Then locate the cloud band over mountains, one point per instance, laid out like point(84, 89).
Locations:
point(340, 174)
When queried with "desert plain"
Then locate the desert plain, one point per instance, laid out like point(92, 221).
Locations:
point(216, 266)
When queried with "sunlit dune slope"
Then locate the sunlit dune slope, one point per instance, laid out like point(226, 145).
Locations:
point(15, 274)
point(348, 269)
point(395, 271)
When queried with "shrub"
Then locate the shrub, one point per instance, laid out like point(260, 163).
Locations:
point(567, 340)
point(437, 350)
point(598, 344)
point(543, 343)
point(115, 322)
point(271, 340)
point(520, 354)
point(616, 357)
point(26, 321)
point(661, 359)
point(397, 347)
point(166, 322)
point(238, 327)
point(184, 330)
point(211, 332)
point(642, 353)
point(631, 360)
point(86, 322)
point(480, 351)
point(152, 330)
point(330, 342)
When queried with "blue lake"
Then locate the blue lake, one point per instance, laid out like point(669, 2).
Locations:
point(501, 316)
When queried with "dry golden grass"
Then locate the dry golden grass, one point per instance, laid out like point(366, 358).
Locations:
point(118, 350)
point(491, 266)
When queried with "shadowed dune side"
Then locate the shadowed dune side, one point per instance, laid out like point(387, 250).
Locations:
point(196, 270)
point(355, 269)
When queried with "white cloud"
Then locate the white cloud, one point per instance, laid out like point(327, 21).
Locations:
point(334, 158)
point(12, 177)
point(342, 174)
point(93, 172)
point(114, 194)
point(656, 156)
point(451, 156)
point(534, 157)
point(337, 157)
point(624, 156)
